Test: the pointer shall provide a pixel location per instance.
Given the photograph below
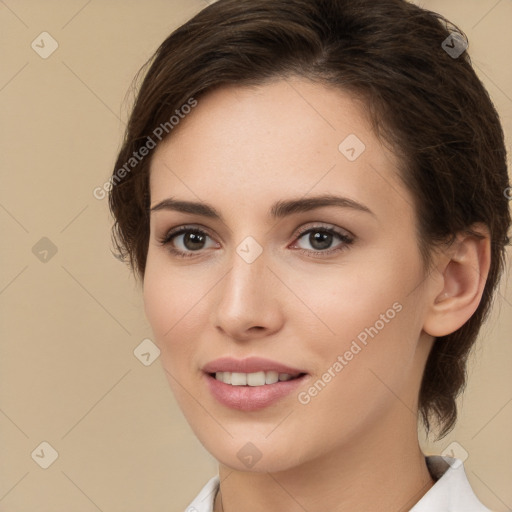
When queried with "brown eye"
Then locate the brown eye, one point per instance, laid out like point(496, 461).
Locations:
point(321, 239)
point(185, 241)
point(193, 241)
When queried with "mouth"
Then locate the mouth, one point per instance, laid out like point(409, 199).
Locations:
point(254, 379)
point(252, 383)
point(252, 391)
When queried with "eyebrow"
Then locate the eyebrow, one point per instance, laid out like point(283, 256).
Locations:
point(280, 209)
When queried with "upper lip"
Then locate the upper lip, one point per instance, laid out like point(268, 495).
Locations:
point(249, 365)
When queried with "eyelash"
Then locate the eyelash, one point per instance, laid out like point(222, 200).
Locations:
point(345, 239)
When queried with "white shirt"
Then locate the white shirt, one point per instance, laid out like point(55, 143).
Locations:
point(450, 493)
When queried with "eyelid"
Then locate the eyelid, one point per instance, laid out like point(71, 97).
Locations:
point(178, 230)
point(301, 231)
point(324, 225)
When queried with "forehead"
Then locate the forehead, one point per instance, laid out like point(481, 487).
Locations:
point(290, 137)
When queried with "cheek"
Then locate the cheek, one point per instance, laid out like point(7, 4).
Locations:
point(360, 372)
point(176, 306)
point(372, 321)
point(163, 301)
point(363, 295)
point(165, 293)
point(158, 297)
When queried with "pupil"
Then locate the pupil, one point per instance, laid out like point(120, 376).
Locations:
point(320, 240)
point(193, 238)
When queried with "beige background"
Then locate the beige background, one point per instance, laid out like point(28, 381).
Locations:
point(69, 326)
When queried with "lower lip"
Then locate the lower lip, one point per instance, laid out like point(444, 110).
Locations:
point(251, 398)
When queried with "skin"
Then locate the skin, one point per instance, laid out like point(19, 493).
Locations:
point(354, 446)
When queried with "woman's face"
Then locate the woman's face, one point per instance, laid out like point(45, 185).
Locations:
point(266, 268)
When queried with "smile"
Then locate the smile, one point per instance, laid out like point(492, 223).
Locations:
point(250, 391)
point(253, 379)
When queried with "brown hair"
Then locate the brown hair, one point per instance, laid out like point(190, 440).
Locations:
point(429, 107)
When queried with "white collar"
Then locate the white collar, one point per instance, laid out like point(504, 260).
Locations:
point(451, 492)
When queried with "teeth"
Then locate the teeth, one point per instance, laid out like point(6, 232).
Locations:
point(237, 379)
point(271, 377)
point(255, 379)
point(252, 379)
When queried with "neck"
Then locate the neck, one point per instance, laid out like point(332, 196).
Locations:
point(386, 472)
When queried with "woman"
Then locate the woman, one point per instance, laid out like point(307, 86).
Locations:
point(313, 194)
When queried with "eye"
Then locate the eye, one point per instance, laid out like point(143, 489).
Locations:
point(185, 240)
point(320, 239)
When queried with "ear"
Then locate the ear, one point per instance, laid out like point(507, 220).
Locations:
point(463, 268)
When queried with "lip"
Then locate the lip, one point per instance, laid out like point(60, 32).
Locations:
point(250, 398)
point(249, 365)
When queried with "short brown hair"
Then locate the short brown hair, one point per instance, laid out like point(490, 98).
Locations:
point(428, 105)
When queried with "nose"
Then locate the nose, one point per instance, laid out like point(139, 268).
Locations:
point(248, 301)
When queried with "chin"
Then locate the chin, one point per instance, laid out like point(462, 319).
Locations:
point(254, 456)
point(270, 464)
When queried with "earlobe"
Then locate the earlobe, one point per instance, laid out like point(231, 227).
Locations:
point(464, 271)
